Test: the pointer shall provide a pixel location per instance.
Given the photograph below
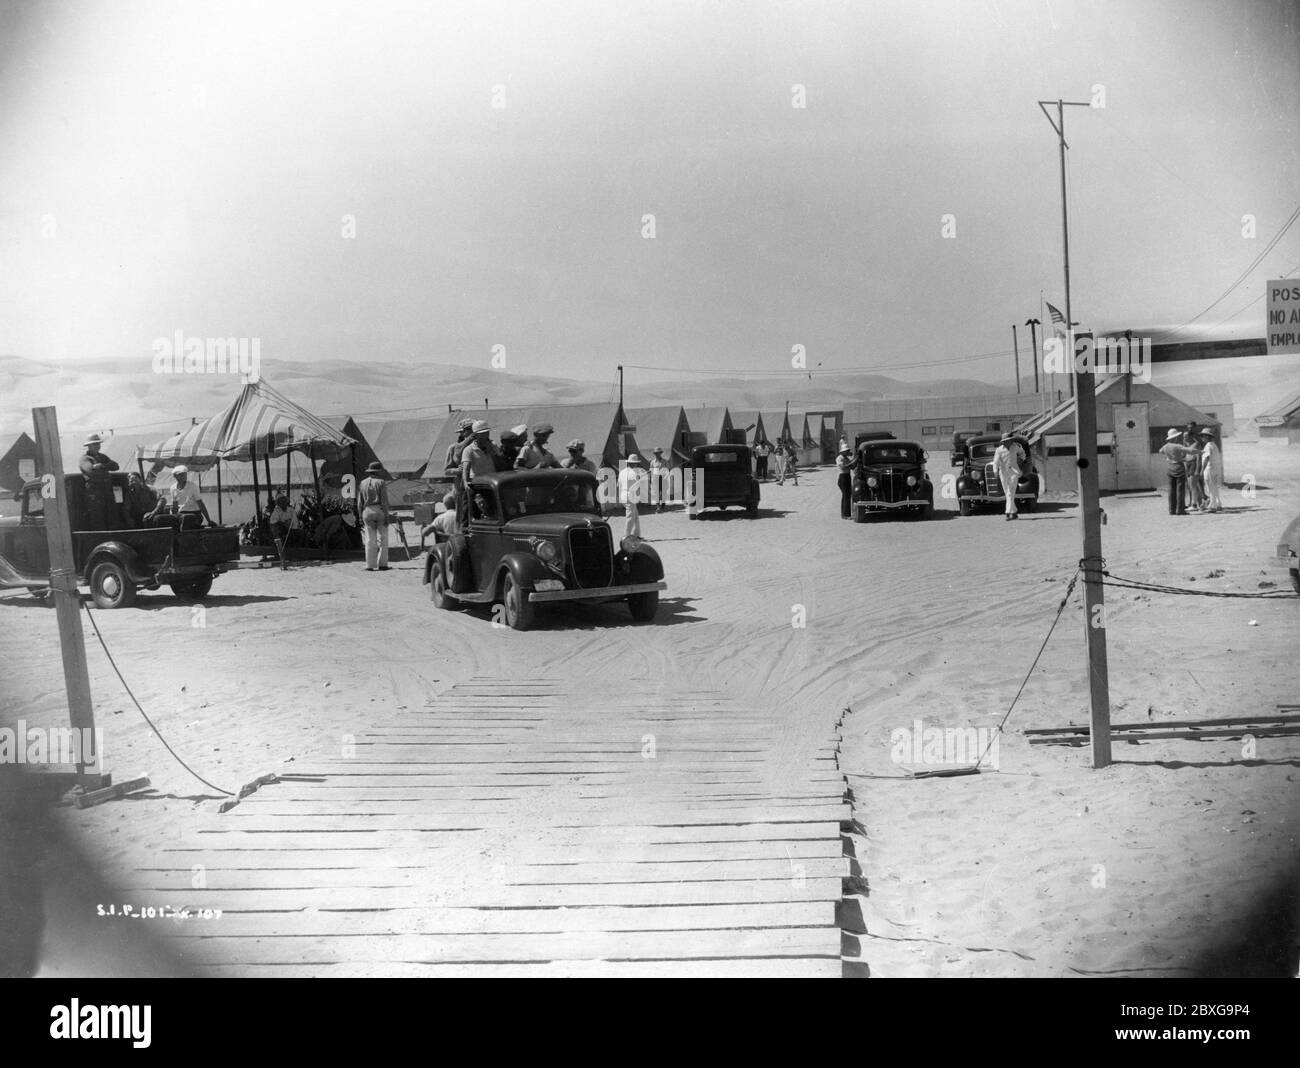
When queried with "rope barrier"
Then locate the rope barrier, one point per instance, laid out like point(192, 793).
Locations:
point(95, 626)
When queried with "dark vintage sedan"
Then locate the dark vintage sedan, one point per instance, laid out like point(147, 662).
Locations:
point(889, 476)
point(723, 478)
point(537, 537)
point(978, 485)
point(960, 439)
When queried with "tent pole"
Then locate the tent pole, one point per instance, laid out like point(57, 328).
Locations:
point(257, 488)
point(288, 472)
point(266, 463)
point(315, 478)
point(220, 518)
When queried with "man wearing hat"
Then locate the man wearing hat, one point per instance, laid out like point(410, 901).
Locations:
point(512, 441)
point(97, 477)
point(1176, 456)
point(1212, 469)
point(1006, 462)
point(576, 461)
point(282, 519)
point(454, 450)
point(1196, 499)
point(659, 483)
point(183, 500)
point(372, 496)
point(478, 458)
point(632, 487)
point(844, 465)
point(535, 453)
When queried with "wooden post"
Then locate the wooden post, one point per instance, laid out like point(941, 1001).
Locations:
point(257, 487)
point(266, 464)
point(1085, 429)
point(1015, 344)
point(67, 597)
point(315, 481)
point(220, 518)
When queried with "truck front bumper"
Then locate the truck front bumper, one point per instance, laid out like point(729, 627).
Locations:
point(605, 593)
point(872, 505)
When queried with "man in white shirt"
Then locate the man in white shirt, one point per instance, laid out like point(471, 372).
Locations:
point(183, 500)
point(631, 486)
point(1006, 462)
point(1212, 468)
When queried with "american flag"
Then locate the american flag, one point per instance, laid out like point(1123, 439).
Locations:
point(1057, 317)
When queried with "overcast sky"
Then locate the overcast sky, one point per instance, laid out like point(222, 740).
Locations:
point(174, 166)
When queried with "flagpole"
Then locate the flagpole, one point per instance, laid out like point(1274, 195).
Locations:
point(1092, 564)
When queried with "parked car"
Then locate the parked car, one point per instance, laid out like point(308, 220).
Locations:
point(724, 478)
point(870, 435)
point(957, 457)
point(115, 564)
point(1288, 551)
point(890, 476)
point(978, 484)
point(537, 537)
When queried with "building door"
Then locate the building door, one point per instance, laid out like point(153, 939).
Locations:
point(1132, 448)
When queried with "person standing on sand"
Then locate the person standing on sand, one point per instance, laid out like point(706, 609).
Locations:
point(778, 457)
point(1176, 456)
point(631, 484)
point(1212, 467)
point(1006, 462)
point(791, 462)
point(761, 452)
point(1192, 470)
point(844, 464)
point(373, 498)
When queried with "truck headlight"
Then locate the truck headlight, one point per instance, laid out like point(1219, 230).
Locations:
point(911, 480)
point(872, 481)
point(547, 552)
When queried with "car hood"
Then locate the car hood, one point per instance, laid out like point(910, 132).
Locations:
point(552, 524)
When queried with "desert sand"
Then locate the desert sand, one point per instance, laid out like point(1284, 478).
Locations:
point(1157, 865)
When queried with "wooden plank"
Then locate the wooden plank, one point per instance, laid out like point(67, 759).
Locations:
point(1150, 736)
point(1163, 724)
point(640, 814)
point(512, 948)
point(509, 921)
point(486, 894)
point(768, 967)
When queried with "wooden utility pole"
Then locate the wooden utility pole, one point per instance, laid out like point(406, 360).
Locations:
point(1033, 325)
point(1085, 430)
point(1015, 344)
point(67, 597)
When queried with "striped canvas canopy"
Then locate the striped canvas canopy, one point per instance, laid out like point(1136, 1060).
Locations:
point(261, 422)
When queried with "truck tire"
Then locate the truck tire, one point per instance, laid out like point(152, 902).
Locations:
point(438, 590)
point(963, 506)
point(1295, 580)
point(191, 590)
point(459, 576)
point(111, 586)
point(859, 514)
point(643, 606)
point(519, 610)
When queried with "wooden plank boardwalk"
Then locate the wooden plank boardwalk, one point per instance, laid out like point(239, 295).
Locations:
point(523, 828)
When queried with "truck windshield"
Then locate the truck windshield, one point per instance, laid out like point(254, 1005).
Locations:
point(889, 453)
point(539, 498)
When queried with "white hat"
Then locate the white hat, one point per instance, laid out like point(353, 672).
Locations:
point(1173, 433)
point(480, 426)
point(634, 459)
point(180, 469)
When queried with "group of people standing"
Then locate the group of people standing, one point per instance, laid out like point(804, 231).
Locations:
point(141, 505)
point(1195, 470)
point(783, 457)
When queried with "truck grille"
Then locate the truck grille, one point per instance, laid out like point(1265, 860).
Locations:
point(991, 484)
point(591, 555)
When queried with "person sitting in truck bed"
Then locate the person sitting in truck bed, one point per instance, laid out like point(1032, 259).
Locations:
point(140, 499)
point(183, 501)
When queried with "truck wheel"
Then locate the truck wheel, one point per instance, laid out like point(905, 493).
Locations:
point(438, 590)
point(520, 611)
point(963, 506)
point(459, 577)
point(1030, 505)
point(752, 508)
point(859, 515)
point(191, 590)
point(1295, 580)
point(111, 586)
point(643, 606)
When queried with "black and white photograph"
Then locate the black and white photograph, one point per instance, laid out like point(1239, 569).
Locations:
point(616, 488)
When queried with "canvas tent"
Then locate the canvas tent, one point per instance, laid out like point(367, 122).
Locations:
point(402, 445)
point(1281, 421)
point(260, 424)
point(747, 426)
point(17, 461)
point(665, 427)
point(709, 426)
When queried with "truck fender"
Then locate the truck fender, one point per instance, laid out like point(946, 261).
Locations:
point(124, 555)
point(644, 564)
point(525, 568)
point(432, 559)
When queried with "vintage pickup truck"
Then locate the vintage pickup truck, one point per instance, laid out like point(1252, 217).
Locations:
point(113, 563)
point(538, 537)
point(889, 476)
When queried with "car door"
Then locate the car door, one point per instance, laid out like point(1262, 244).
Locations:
point(31, 550)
